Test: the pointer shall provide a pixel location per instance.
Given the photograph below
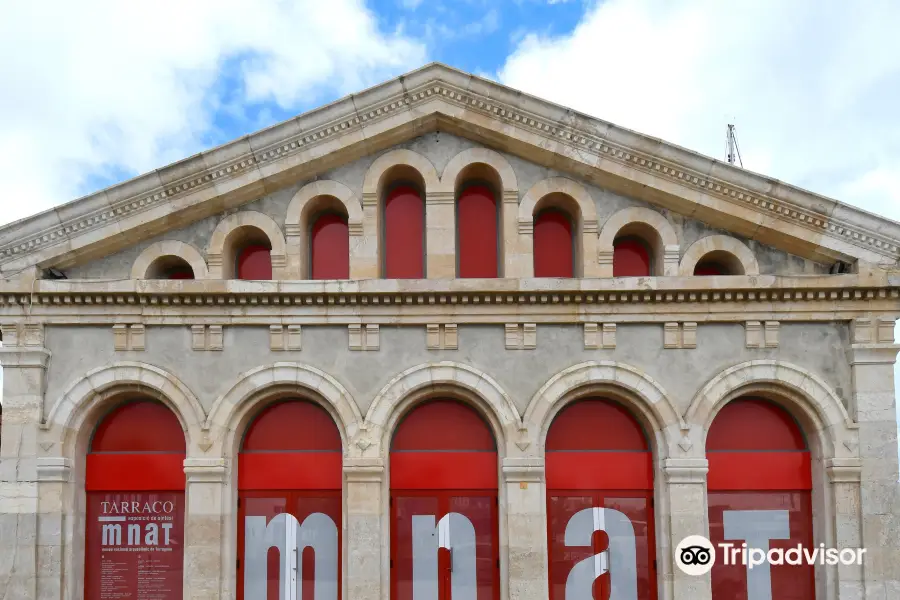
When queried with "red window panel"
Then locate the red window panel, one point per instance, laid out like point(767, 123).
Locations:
point(553, 245)
point(255, 263)
point(404, 234)
point(476, 221)
point(631, 258)
point(709, 268)
point(180, 273)
point(637, 507)
point(330, 247)
point(134, 484)
point(759, 487)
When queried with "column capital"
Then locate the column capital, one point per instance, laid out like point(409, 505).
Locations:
point(53, 469)
point(873, 354)
point(205, 470)
point(24, 357)
point(686, 470)
point(364, 469)
point(529, 469)
point(844, 470)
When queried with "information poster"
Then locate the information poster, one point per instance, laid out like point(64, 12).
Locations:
point(135, 546)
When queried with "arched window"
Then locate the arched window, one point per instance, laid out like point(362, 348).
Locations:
point(759, 487)
point(719, 263)
point(444, 499)
point(289, 502)
point(404, 233)
point(554, 244)
point(631, 257)
point(170, 267)
point(599, 492)
point(254, 262)
point(477, 220)
point(134, 484)
point(330, 247)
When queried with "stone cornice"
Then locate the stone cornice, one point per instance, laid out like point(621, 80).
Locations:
point(686, 470)
point(724, 299)
point(247, 168)
point(205, 470)
point(364, 470)
point(873, 354)
point(24, 357)
point(843, 470)
point(53, 469)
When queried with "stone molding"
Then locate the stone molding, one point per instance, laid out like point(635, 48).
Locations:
point(364, 470)
point(441, 374)
point(651, 396)
point(718, 243)
point(827, 407)
point(256, 381)
point(453, 95)
point(523, 469)
point(78, 397)
point(53, 469)
point(186, 252)
point(844, 470)
point(474, 156)
point(686, 470)
point(873, 354)
point(205, 470)
point(219, 240)
point(24, 358)
point(666, 248)
point(400, 157)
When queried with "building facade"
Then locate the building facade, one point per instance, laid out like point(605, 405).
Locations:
point(442, 339)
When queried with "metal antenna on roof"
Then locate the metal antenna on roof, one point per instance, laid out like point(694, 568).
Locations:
point(732, 151)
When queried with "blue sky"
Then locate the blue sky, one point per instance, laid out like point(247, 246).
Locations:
point(98, 91)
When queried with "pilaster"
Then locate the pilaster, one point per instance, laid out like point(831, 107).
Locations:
point(364, 249)
point(526, 522)
point(844, 475)
point(440, 235)
point(686, 488)
point(206, 512)
point(27, 548)
point(364, 536)
point(874, 408)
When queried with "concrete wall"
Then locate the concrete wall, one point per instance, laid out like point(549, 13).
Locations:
point(682, 372)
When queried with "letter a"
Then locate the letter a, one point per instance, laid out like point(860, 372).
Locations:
point(619, 560)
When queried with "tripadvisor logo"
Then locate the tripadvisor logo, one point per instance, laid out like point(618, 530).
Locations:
point(696, 555)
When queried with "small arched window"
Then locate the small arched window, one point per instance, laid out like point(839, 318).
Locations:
point(477, 228)
point(554, 244)
point(254, 262)
point(631, 257)
point(404, 233)
point(719, 263)
point(330, 247)
point(170, 267)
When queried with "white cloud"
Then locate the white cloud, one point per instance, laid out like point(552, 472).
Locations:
point(104, 87)
point(812, 86)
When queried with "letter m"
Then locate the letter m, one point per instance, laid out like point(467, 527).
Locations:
point(112, 535)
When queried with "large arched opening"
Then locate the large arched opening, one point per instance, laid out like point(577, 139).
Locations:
point(599, 471)
point(134, 486)
point(443, 500)
point(289, 504)
point(759, 494)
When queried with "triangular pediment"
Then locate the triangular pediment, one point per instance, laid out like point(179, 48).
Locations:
point(438, 98)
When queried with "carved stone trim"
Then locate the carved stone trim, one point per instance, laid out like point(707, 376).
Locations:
point(686, 470)
point(205, 470)
point(528, 470)
point(364, 470)
point(844, 470)
point(53, 469)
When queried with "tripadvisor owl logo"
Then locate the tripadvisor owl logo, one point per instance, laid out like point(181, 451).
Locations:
point(695, 555)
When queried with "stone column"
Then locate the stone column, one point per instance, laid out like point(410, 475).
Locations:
point(844, 475)
point(686, 494)
point(510, 258)
point(363, 537)
point(207, 507)
point(24, 362)
point(440, 235)
point(526, 523)
point(872, 356)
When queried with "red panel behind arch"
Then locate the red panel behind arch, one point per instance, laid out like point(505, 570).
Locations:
point(291, 445)
point(443, 444)
point(754, 444)
point(255, 262)
point(330, 247)
point(553, 245)
point(476, 222)
point(404, 234)
point(597, 444)
point(631, 258)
